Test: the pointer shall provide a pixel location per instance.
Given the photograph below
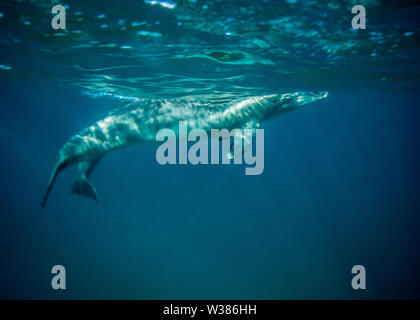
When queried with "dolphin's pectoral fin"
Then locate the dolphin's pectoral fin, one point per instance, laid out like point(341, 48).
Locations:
point(83, 186)
point(246, 140)
point(252, 124)
point(235, 151)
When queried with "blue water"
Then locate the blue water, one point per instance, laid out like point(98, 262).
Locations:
point(341, 182)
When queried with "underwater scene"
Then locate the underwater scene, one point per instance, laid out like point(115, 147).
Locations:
point(328, 209)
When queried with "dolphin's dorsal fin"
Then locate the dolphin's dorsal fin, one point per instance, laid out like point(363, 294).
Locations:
point(127, 107)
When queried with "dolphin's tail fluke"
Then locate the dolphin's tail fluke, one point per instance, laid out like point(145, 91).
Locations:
point(57, 168)
point(84, 188)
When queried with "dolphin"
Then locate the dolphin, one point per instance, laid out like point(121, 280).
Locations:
point(139, 122)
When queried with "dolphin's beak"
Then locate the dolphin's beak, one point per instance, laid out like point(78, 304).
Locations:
point(307, 97)
point(324, 95)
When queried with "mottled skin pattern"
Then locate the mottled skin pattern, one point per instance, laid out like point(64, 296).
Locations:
point(140, 121)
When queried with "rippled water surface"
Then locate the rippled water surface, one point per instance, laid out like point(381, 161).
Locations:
point(341, 181)
point(169, 48)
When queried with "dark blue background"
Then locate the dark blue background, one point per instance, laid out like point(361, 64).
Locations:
point(341, 187)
